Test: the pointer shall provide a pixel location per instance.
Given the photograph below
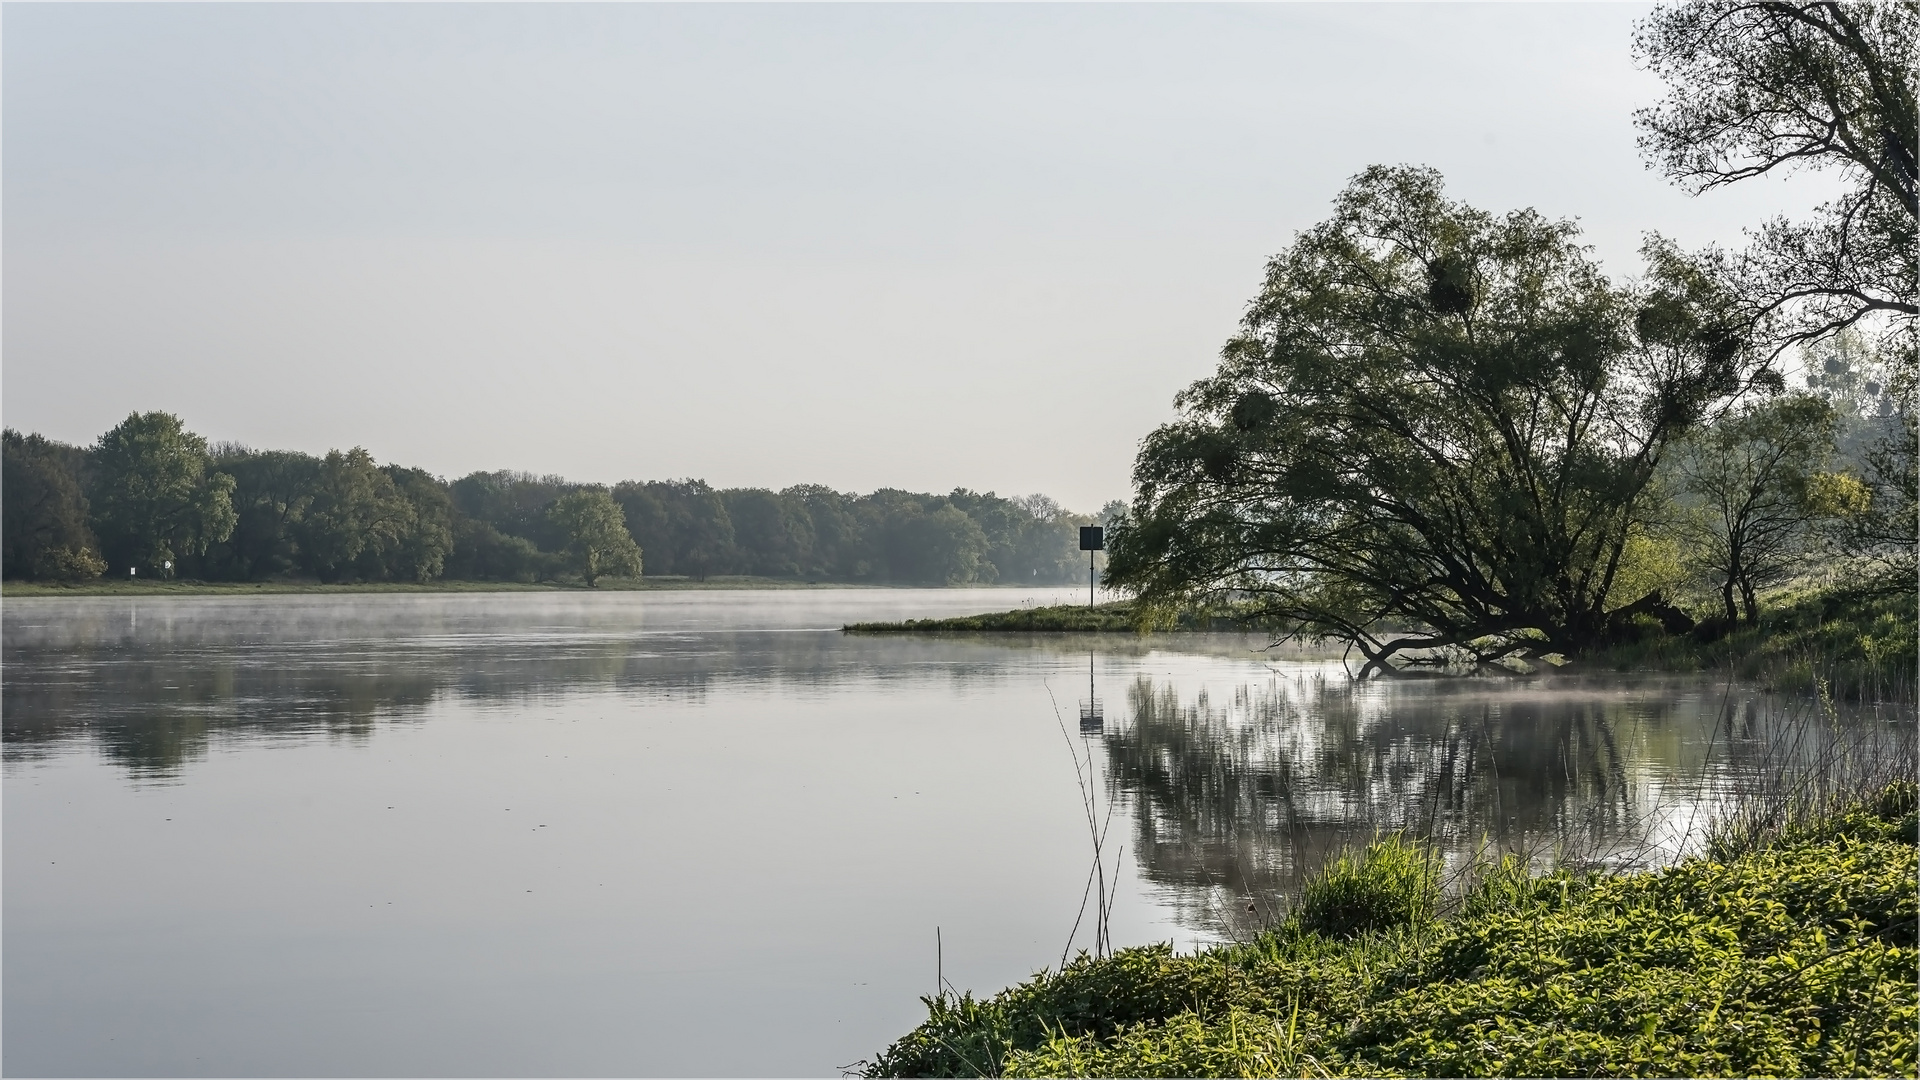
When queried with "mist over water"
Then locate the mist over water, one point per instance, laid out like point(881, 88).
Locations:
point(706, 832)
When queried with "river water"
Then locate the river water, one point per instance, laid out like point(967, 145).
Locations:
point(707, 833)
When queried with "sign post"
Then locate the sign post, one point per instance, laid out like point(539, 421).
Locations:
point(1092, 538)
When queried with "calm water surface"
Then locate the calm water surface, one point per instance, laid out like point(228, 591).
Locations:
point(700, 832)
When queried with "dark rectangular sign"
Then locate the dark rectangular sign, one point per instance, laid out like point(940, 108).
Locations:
point(1093, 538)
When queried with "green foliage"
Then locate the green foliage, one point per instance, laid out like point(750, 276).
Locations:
point(1757, 87)
point(814, 532)
point(420, 551)
point(1797, 959)
point(1759, 481)
point(484, 553)
point(345, 519)
point(1393, 883)
point(1856, 645)
point(1433, 418)
point(153, 498)
point(513, 504)
point(1030, 541)
point(597, 537)
point(67, 562)
point(941, 545)
point(43, 520)
point(1889, 815)
point(1240, 1043)
point(1098, 1000)
point(272, 490)
point(1873, 393)
point(355, 520)
point(1886, 534)
point(773, 534)
point(682, 525)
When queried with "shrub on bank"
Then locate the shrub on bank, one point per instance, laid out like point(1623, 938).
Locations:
point(1795, 956)
point(1392, 883)
point(1857, 646)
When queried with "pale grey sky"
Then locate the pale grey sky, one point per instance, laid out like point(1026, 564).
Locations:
point(918, 246)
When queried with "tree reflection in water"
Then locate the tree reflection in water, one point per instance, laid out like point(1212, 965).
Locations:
point(1236, 801)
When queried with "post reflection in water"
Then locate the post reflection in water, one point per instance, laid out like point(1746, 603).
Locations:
point(1093, 718)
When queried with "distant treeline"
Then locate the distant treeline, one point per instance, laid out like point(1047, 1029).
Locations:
point(151, 497)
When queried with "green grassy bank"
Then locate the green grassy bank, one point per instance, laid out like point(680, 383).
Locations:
point(1792, 954)
point(1119, 617)
point(1851, 645)
point(1104, 618)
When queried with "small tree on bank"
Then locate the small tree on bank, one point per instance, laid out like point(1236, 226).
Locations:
point(154, 499)
point(354, 509)
point(597, 539)
point(1760, 480)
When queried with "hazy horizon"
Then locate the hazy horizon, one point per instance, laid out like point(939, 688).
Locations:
point(920, 247)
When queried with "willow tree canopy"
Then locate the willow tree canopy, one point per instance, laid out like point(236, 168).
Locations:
point(1436, 428)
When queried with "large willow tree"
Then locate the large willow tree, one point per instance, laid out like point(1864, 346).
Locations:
point(1436, 428)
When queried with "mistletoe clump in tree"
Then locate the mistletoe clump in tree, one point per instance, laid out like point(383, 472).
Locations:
point(1436, 430)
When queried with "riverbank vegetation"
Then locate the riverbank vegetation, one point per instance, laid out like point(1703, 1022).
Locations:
point(1114, 617)
point(1523, 462)
point(1787, 951)
point(1117, 617)
point(153, 498)
point(1849, 644)
point(1445, 435)
point(137, 587)
point(1108, 618)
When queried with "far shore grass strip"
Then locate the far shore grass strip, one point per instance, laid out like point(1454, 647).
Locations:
point(149, 587)
point(1105, 618)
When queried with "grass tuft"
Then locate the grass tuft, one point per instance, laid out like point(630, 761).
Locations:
point(1392, 884)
